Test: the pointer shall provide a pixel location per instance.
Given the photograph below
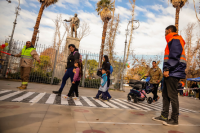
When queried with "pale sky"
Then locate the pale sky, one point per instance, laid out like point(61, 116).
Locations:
point(154, 17)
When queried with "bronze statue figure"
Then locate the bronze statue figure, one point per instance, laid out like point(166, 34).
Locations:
point(74, 24)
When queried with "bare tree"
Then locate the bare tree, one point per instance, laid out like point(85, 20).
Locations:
point(132, 27)
point(84, 30)
point(113, 27)
point(191, 51)
point(58, 23)
point(140, 66)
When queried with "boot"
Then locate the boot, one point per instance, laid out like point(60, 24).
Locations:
point(23, 87)
point(57, 92)
point(19, 87)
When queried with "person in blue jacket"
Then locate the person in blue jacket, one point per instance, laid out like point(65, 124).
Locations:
point(174, 69)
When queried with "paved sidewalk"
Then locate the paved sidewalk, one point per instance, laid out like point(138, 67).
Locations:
point(20, 117)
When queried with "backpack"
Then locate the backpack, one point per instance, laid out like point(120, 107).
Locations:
point(80, 56)
point(111, 69)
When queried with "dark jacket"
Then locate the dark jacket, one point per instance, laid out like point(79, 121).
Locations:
point(175, 60)
point(195, 86)
point(71, 58)
point(106, 66)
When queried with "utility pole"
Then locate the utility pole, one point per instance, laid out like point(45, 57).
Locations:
point(122, 77)
point(11, 38)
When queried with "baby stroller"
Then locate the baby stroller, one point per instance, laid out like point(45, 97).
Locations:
point(139, 85)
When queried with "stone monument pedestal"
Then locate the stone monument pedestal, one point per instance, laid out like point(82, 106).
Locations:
point(72, 40)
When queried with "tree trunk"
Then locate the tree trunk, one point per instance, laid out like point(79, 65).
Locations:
point(177, 17)
point(37, 24)
point(103, 41)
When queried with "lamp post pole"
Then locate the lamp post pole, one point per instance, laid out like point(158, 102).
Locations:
point(122, 76)
point(11, 38)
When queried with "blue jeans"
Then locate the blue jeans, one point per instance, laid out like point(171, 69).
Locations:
point(108, 94)
point(69, 74)
point(104, 96)
point(181, 92)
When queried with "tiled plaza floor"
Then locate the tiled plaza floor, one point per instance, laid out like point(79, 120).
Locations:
point(46, 117)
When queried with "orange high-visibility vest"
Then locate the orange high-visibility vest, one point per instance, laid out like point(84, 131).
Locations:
point(167, 51)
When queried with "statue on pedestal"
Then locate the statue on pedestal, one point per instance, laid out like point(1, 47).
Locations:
point(74, 24)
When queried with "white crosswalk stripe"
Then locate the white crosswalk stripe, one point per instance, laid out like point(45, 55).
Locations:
point(77, 102)
point(120, 104)
point(1, 92)
point(32, 97)
point(10, 95)
point(112, 105)
point(88, 101)
point(23, 97)
point(37, 98)
point(142, 107)
point(101, 103)
point(51, 99)
point(128, 104)
point(151, 106)
point(64, 100)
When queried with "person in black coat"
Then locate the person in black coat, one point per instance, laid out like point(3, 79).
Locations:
point(70, 66)
point(194, 85)
point(106, 66)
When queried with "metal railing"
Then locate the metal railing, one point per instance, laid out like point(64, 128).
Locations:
point(53, 63)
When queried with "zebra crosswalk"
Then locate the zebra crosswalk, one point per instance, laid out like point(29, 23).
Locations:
point(44, 98)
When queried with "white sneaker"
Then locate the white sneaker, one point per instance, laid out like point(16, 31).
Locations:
point(68, 98)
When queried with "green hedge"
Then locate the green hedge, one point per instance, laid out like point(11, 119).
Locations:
point(91, 83)
point(36, 76)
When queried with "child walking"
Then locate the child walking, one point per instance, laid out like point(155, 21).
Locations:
point(103, 87)
point(76, 80)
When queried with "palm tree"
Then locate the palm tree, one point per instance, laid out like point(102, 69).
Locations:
point(104, 8)
point(178, 4)
point(44, 3)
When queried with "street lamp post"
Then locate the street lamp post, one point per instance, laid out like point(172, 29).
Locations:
point(11, 38)
point(122, 76)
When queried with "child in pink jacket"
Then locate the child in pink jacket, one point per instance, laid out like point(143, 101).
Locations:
point(76, 80)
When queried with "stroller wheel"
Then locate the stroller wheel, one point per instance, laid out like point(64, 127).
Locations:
point(149, 100)
point(135, 99)
point(129, 97)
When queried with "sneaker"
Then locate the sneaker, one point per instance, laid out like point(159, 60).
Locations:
point(69, 98)
point(95, 98)
point(160, 118)
point(104, 100)
point(109, 99)
point(170, 122)
point(57, 92)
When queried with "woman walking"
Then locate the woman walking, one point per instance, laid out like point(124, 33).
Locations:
point(106, 66)
point(69, 69)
